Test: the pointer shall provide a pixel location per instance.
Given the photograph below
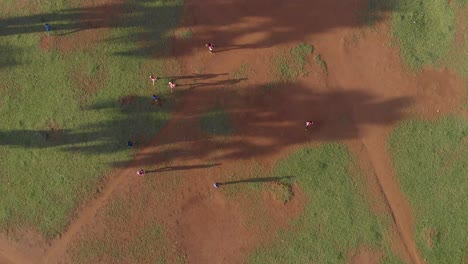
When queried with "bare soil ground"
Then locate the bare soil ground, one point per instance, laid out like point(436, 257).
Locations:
point(366, 256)
point(364, 94)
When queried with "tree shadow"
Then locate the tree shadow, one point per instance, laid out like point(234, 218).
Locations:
point(136, 119)
point(146, 28)
point(264, 122)
point(275, 117)
point(267, 23)
point(10, 56)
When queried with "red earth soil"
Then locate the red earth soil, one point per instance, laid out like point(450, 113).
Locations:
point(366, 256)
point(361, 97)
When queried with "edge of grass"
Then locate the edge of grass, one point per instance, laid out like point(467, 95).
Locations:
point(321, 63)
point(337, 219)
point(431, 167)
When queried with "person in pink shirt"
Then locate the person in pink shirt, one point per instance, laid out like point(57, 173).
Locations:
point(210, 47)
point(141, 172)
point(172, 86)
point(153, 78)
point(308, 125)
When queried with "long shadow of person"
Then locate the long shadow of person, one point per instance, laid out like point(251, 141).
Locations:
point(254, 180)
point(189, 167)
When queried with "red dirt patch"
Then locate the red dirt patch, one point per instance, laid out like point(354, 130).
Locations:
point(24, 247)
point(429, 236)
point(20, 7)
point(365, 256)
point(88, 82)
point(209, 221)
point(280, 213)
point(461, 24)
point(127, 100)
point(198, 214)
point(203, 221)
point(82, 40)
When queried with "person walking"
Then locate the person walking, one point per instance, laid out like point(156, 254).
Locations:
point(308, 125)
point(216, 185)
point(172, 86)
point(47, 28)
point(130, 144)
point(210, 47)
point(157, 100)
point(153, 78)
point(141, 172)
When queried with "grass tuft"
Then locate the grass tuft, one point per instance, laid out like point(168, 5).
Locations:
point(186, 34)
point(242, 72)
point(282, 191)
point(321, 63)
point(291, 64)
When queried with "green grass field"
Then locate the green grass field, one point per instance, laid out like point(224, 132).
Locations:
point(59, 135)
point(425, 31)
point(337, 219)
point(431, 161)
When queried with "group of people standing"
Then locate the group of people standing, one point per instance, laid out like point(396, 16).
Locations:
point(172, 85)
point(156, 97)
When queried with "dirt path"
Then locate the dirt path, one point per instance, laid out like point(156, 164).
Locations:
point(399, 206)
point(85, 216)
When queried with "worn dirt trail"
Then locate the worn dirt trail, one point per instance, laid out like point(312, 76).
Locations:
point(430, 93)
point(58, 247)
